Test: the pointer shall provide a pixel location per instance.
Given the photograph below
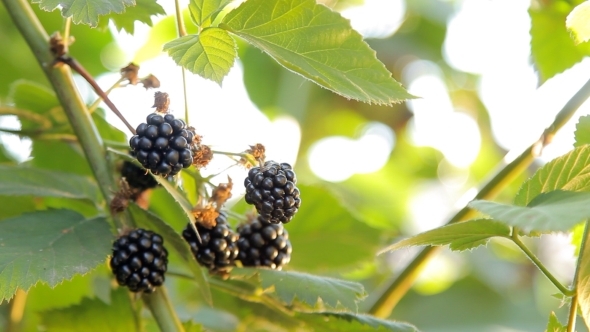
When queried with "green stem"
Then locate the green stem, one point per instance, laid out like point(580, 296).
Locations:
point(582, 266)
point(61, 79)
point(181, 33)
point(385, 298)
point(162, 310)
point(63, 84)
point(42, 121)
point(66, 34)
point(516, 239)
point(95, 104)
point(571, 321)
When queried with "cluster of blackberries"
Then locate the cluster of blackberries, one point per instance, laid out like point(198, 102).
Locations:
point(163, 144)
point(218, 248)
point(263, 243)
point(271, 189)
point(258, 243)
point(137, 177)
point(139, 260)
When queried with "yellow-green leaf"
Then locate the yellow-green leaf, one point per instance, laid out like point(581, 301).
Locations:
point(210, 54)
point(317, 43)
point(578, 22)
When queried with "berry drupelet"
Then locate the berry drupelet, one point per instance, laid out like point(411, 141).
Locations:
point(217, 249)
point(262, 243)
point(137, 177)
point(163, 144)
point(139, 260)
point(271, 189)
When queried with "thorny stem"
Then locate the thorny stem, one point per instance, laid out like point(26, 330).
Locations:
point(516, 239)
point(95, 104)
point(75, 109)
point(75, 65)
point(388, 296)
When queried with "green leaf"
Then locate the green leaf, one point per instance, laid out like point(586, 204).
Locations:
point(203, 11)
point(578, 22)
point(460, 236)
point(570, 172)
point(174, 241)
point(550, 40)
point(350, 322)
point(141, 12)
point(85, 11)
point(554, 325)
point(106, 130)
point(317, 43)
point(49, 246)
point(582, 278)
point(210, 54)
point(93, 315)
point(190, 326)
point(179, 198)
point(582, 133)
point(313, 250)
point(308, 288)
point(19, 181)
point(549, 212)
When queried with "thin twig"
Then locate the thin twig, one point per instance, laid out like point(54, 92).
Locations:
point(75, 65)
point(95, 104)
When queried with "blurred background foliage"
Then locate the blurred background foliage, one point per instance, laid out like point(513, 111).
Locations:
point(369, 174)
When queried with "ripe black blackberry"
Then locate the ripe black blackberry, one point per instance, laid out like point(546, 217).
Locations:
point(139, 260)
point(263, 243)
point(137, 177)
point(218, 247)
point(271, 189)
point(163, 144)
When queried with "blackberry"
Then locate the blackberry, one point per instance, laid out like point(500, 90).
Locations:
point(218, 247)
point(139, 260)
point(137, 177)
point(263, 243)
point(163, 144)
point(271, 189)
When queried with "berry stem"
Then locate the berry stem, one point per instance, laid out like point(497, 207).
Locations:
point(75, 65)
point(159, 304)
point(573, 313)
point(516, 239)
point(181, 33)
point(95, 104)
point(66, 33)
point(385, 298)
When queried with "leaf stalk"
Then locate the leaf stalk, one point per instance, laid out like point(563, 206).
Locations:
point(516, 239)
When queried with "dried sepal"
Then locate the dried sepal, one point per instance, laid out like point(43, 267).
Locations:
point(221, 193)
point(206, 216)
point(161, 102)
point(150, 82)
point(130, 72)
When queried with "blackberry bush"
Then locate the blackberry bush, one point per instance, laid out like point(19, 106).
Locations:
point(217, 249)
point(139, 260)
point(271, 189)
point(163, 144)
point(263, 243)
